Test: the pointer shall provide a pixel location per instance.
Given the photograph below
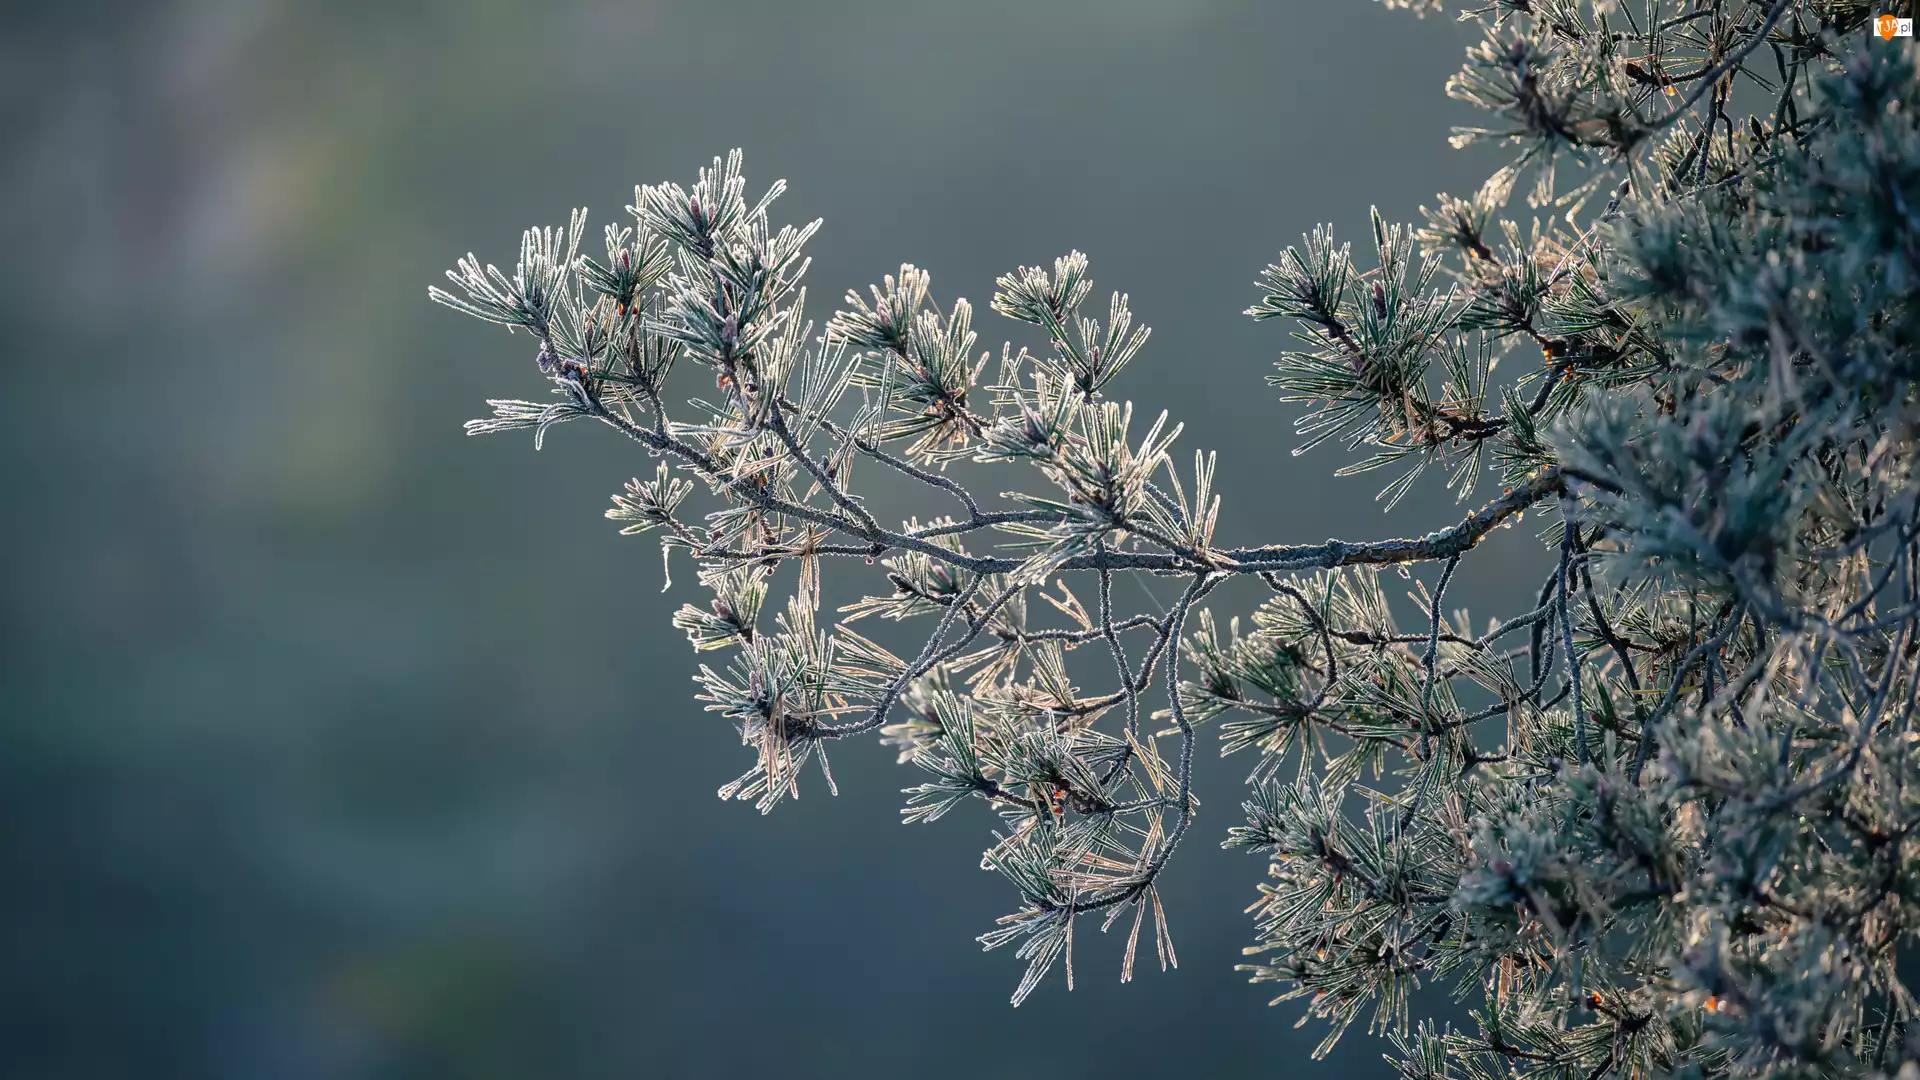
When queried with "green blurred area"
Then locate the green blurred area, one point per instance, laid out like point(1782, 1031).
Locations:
point(333, 744)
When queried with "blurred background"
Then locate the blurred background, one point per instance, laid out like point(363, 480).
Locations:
point(336, 745)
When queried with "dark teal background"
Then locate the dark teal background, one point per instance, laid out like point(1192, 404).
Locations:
point(336, 745)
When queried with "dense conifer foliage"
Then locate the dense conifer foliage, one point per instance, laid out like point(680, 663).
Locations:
point(1662, 822)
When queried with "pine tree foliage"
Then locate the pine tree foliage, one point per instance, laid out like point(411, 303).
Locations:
point(1661, 823)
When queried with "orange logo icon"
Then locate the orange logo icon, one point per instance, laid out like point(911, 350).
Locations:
point(1890, 27)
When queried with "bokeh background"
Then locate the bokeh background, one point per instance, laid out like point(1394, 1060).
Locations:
point(336, 745)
